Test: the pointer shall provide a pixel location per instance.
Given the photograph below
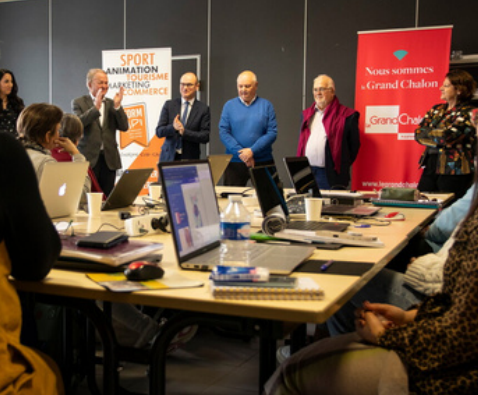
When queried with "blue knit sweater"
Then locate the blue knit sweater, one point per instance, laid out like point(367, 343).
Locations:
point(253, 127)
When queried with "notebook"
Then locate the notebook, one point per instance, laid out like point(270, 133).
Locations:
point(303, 181)
point(61, 185)
point(305, 289)
point(115, 256)
point(218, 165)
point(127, 188)
point(271, 201)
point(195, 224)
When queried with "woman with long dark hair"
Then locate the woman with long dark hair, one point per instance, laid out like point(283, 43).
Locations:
point(11, 104)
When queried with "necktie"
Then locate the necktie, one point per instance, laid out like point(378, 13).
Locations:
point(185, 113)
point(184, 117)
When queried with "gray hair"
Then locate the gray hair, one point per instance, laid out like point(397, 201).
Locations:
point(254, 76)
point(331, 83)
point(91, 74)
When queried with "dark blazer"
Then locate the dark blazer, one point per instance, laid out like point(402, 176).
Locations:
point(96, 134)
point(196, 130)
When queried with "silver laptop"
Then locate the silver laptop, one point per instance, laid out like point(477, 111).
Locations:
point(303, 180)
point(61, 185)
point(218, 164)
point(127, 188)
point(194, 218)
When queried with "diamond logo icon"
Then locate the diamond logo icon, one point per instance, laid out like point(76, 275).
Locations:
point(400, 54)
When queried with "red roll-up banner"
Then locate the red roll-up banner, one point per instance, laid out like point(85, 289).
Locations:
point(399, 73)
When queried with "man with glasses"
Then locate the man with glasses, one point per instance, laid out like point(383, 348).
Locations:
point(329, 136)
point(185, 122)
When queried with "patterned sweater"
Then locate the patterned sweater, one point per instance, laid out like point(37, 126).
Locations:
point(440, 347)
point(452, 134)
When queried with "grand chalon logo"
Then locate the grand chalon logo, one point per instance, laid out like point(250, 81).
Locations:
point(388, 119)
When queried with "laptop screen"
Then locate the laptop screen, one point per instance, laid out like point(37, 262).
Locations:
point(61, 185)
point(268, 189)
point(192, 206)
point(301, 176)
point(218, 165)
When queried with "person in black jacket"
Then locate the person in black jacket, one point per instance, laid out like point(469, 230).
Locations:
point(184, 126)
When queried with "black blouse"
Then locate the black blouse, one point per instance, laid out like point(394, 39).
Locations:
point(8, 119)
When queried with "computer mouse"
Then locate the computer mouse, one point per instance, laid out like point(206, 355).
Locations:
point(142, 271)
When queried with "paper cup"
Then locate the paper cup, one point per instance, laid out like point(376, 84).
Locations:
point(313, 209)
point(95, 199)
point(155, 191)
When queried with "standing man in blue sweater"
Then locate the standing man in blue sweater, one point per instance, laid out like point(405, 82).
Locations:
point(247, 128)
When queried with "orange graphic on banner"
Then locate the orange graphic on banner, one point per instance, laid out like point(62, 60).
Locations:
point(149, 158)
point(137, 131)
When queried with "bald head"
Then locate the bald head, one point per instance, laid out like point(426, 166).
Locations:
point(247, 86)
point(323, 91)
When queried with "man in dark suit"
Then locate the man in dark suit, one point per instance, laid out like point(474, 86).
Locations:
point(101, 117)
point(185, 122)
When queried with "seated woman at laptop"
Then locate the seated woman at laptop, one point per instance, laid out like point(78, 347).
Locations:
point(38, 126)
point(71, 127)
point(23, 219)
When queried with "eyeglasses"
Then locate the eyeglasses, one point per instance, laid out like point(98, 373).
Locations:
point(321, 90)
point(186, 85)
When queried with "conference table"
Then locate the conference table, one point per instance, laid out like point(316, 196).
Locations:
point(269, 320)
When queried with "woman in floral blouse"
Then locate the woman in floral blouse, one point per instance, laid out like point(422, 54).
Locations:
point(11, 104)
point(449, 138)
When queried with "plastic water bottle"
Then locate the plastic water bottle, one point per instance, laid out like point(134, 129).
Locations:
point(235, 229)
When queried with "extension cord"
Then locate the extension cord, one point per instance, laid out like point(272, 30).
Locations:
point(150, 223)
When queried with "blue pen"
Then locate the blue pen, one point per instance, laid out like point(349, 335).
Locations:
point(362, 226)
point(326, 265)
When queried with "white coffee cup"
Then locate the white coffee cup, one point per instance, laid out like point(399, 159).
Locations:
point(154, 191)
point(94, 203)
point(313, 209)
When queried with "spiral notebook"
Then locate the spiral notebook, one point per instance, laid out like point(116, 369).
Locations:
point(305, 289)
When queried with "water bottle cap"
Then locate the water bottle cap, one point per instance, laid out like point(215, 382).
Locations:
point(235, 198)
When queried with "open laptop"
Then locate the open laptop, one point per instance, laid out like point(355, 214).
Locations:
point(127, 188)
point(218, 164)
point(272, 202)
point(61, 185)
point(195, 224)
point(303, 181)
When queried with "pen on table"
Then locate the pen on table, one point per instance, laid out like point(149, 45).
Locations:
point(326, 265)
point(362, 226)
